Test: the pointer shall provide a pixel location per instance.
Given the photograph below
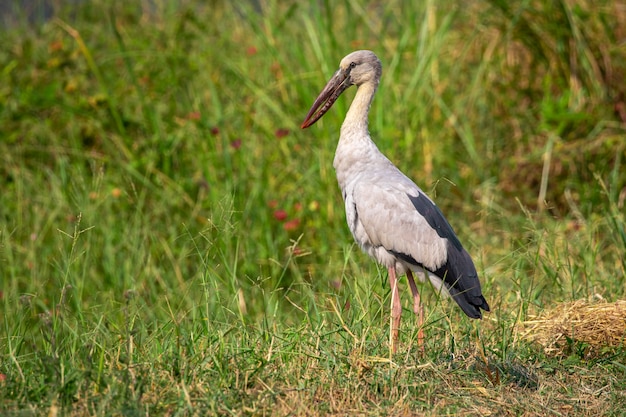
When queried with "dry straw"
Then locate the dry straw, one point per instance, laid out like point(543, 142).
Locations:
point(588, 328)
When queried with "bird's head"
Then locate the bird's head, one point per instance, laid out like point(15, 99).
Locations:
point(356, 68)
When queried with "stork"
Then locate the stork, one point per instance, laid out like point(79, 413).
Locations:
point(390, 217)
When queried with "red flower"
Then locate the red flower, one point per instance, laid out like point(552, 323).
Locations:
point(281, 133)
point(291, 224)
point(280, 215)
point(236, 144)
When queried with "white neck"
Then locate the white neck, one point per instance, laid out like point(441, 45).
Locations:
point(355, 123)
point(355, 146)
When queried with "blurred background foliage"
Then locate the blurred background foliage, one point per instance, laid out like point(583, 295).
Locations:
point(150, 118)
point(154, 121)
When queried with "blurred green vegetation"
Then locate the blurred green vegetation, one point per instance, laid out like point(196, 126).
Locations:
point(172, 242)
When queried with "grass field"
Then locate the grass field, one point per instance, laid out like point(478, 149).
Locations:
point(171, 243)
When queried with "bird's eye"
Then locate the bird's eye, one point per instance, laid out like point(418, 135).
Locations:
point(352, 65)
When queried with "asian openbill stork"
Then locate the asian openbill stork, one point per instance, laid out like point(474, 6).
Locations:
point(389, 216)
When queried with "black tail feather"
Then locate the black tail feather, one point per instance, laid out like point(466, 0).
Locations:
point(461, 280)
point(459, 277)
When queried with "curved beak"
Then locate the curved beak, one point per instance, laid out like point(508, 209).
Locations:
point(335, 86)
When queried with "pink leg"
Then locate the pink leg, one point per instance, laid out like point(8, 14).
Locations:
point(417, 309)
point(396, 309)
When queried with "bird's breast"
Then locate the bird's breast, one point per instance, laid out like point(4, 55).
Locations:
point(361, 237)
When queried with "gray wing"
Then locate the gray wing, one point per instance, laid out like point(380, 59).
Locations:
point(390, 219)
point(397, 215)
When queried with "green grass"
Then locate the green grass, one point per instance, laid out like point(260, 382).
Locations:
point(146, 154)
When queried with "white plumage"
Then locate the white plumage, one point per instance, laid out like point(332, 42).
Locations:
point(389, 216)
